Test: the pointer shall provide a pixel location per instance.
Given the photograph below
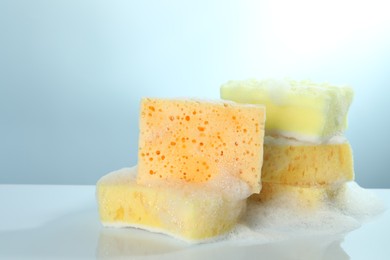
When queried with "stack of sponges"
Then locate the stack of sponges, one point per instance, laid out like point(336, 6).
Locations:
point(198, 162)
point(305, 153)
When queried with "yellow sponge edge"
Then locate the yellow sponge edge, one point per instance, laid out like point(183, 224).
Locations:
point(307, 165)
point(306, 197)
point(191, 214)
point(303, 110)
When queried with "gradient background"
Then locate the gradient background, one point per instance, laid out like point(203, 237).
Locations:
point(72, 73)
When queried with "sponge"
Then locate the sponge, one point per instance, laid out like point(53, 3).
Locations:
point(303, 110)
point(305, 164)
point(306, 197)
point(191, 213)
point(192, 141)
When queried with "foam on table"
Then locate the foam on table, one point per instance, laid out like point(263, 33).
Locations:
point(284, 217)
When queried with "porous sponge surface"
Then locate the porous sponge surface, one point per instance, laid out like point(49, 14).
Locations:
point(298, 109)
point(195, 141)
point(307, 197)
point(307, 165)
point(189, 213)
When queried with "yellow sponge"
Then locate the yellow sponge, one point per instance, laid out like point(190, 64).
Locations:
point(298, 109)
point(305, 164)
point(310, 197)
point(189, 212)
point(195, 141)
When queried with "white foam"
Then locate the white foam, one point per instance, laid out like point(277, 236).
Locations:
point(359, 202)
point(284, 218)
point(231, 186)
point(302, 140)
point(123, 175)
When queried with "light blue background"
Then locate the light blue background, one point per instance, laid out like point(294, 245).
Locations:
point(72, 73)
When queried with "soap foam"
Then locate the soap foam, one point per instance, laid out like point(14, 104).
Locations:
point(296, 140)
point(230, 186)
point(358, 202)
point(284, 218)
point(292, 138)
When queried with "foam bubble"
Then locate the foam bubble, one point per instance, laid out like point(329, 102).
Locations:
point(359, 202)
point(231, 186)
point(296, 139)
point(285, 218)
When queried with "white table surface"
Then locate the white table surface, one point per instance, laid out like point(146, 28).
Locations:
point(61, 222)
